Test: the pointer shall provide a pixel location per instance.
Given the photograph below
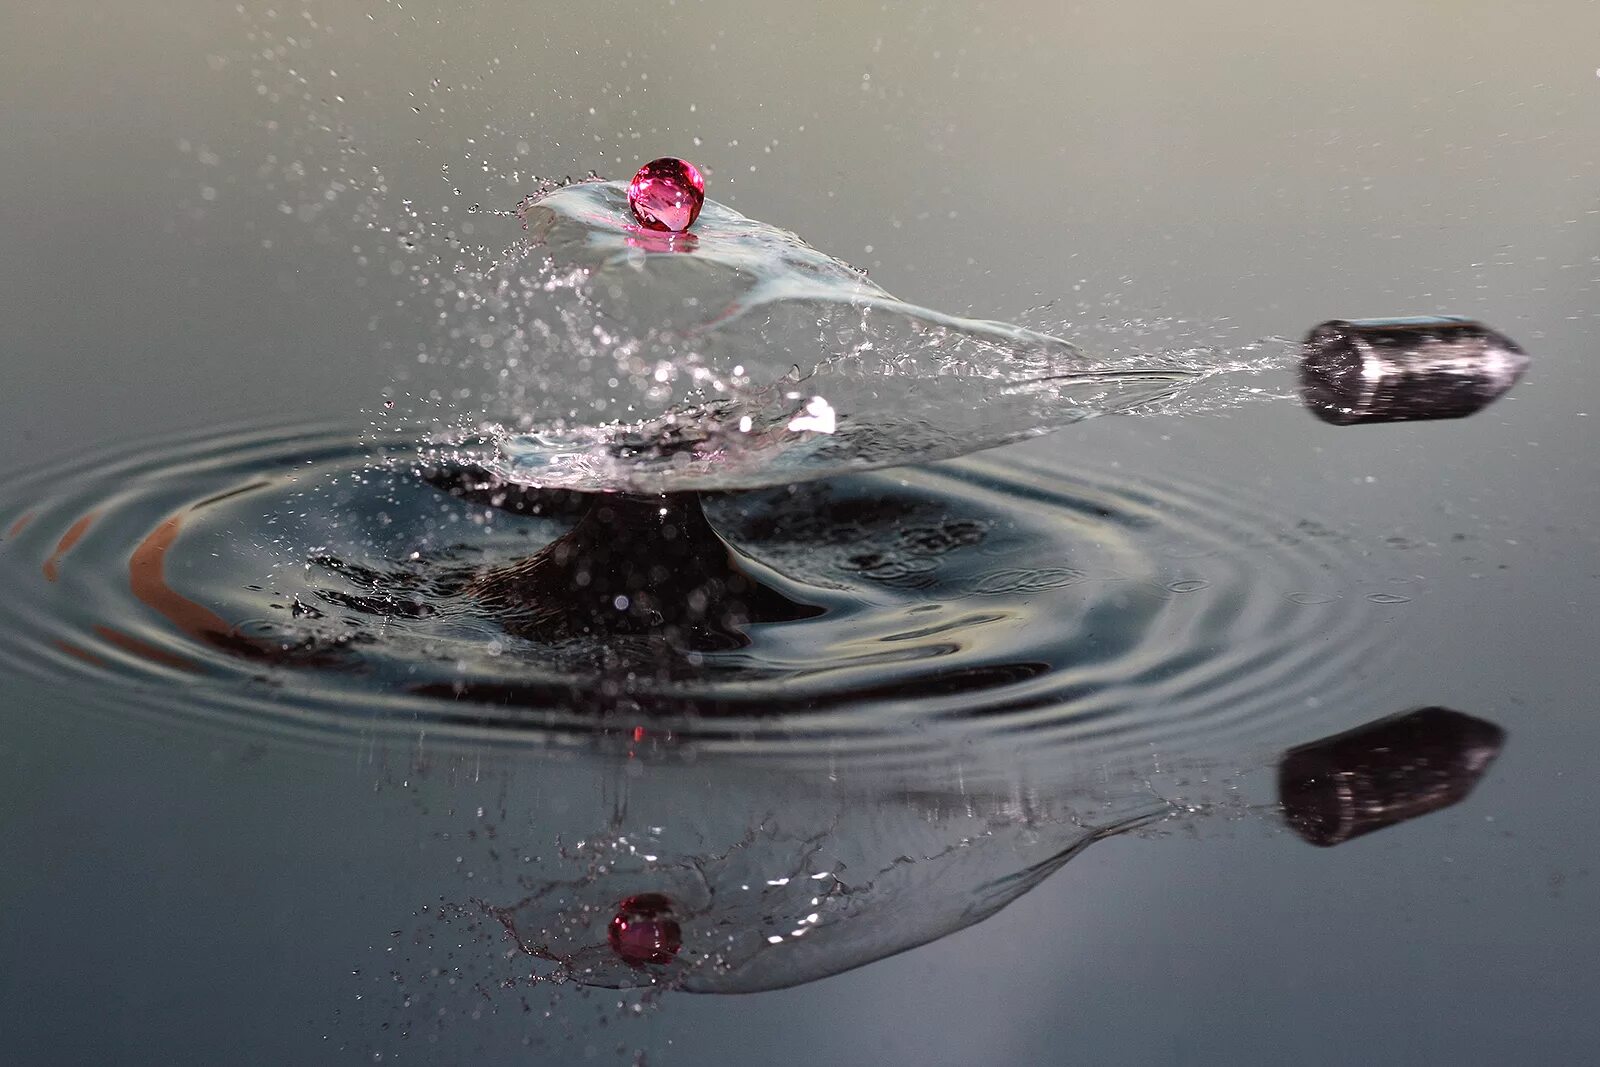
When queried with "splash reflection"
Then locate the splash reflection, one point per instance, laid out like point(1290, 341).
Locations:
point(677, 892)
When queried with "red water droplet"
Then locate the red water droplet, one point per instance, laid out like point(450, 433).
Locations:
point(644, 931)
point(667, 194)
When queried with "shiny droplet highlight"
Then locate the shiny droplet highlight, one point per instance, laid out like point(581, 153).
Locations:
point(667, 194)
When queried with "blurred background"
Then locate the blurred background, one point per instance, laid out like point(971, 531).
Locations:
point(187, 246)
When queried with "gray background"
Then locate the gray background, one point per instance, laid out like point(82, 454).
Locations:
point(173, 896)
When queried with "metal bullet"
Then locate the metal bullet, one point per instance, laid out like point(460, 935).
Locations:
point(1390, 370)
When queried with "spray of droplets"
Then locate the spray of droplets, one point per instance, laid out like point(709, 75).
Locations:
point(561, 343)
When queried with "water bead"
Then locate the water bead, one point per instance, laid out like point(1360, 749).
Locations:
point(667, 194)
point(643, 931)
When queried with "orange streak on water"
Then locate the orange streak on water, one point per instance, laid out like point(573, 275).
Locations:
point(79, 653)
point(148, 580)
point(20, 525)
point(74, 534)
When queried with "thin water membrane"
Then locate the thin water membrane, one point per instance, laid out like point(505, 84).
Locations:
point(316, 581)
point(735, 355)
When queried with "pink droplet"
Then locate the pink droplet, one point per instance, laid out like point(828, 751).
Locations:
point(644, 931)
point(667, 194)
point(657, 241)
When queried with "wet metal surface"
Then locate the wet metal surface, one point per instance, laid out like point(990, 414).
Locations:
point(1394, 370)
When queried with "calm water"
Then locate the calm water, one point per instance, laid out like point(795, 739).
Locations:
point(1032, 715)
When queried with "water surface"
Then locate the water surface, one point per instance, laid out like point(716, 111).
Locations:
point(202, 872)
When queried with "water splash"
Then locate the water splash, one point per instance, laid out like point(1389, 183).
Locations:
point(590, 352)
point(736, 355)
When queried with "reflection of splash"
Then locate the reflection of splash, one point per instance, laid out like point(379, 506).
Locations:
point(673, 893)
point(776, 907)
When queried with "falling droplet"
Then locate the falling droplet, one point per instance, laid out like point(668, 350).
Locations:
point(667, 194)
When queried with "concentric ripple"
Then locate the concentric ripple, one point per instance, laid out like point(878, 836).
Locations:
point(312, 580)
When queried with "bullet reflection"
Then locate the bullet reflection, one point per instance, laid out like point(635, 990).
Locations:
point(1383, 773)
